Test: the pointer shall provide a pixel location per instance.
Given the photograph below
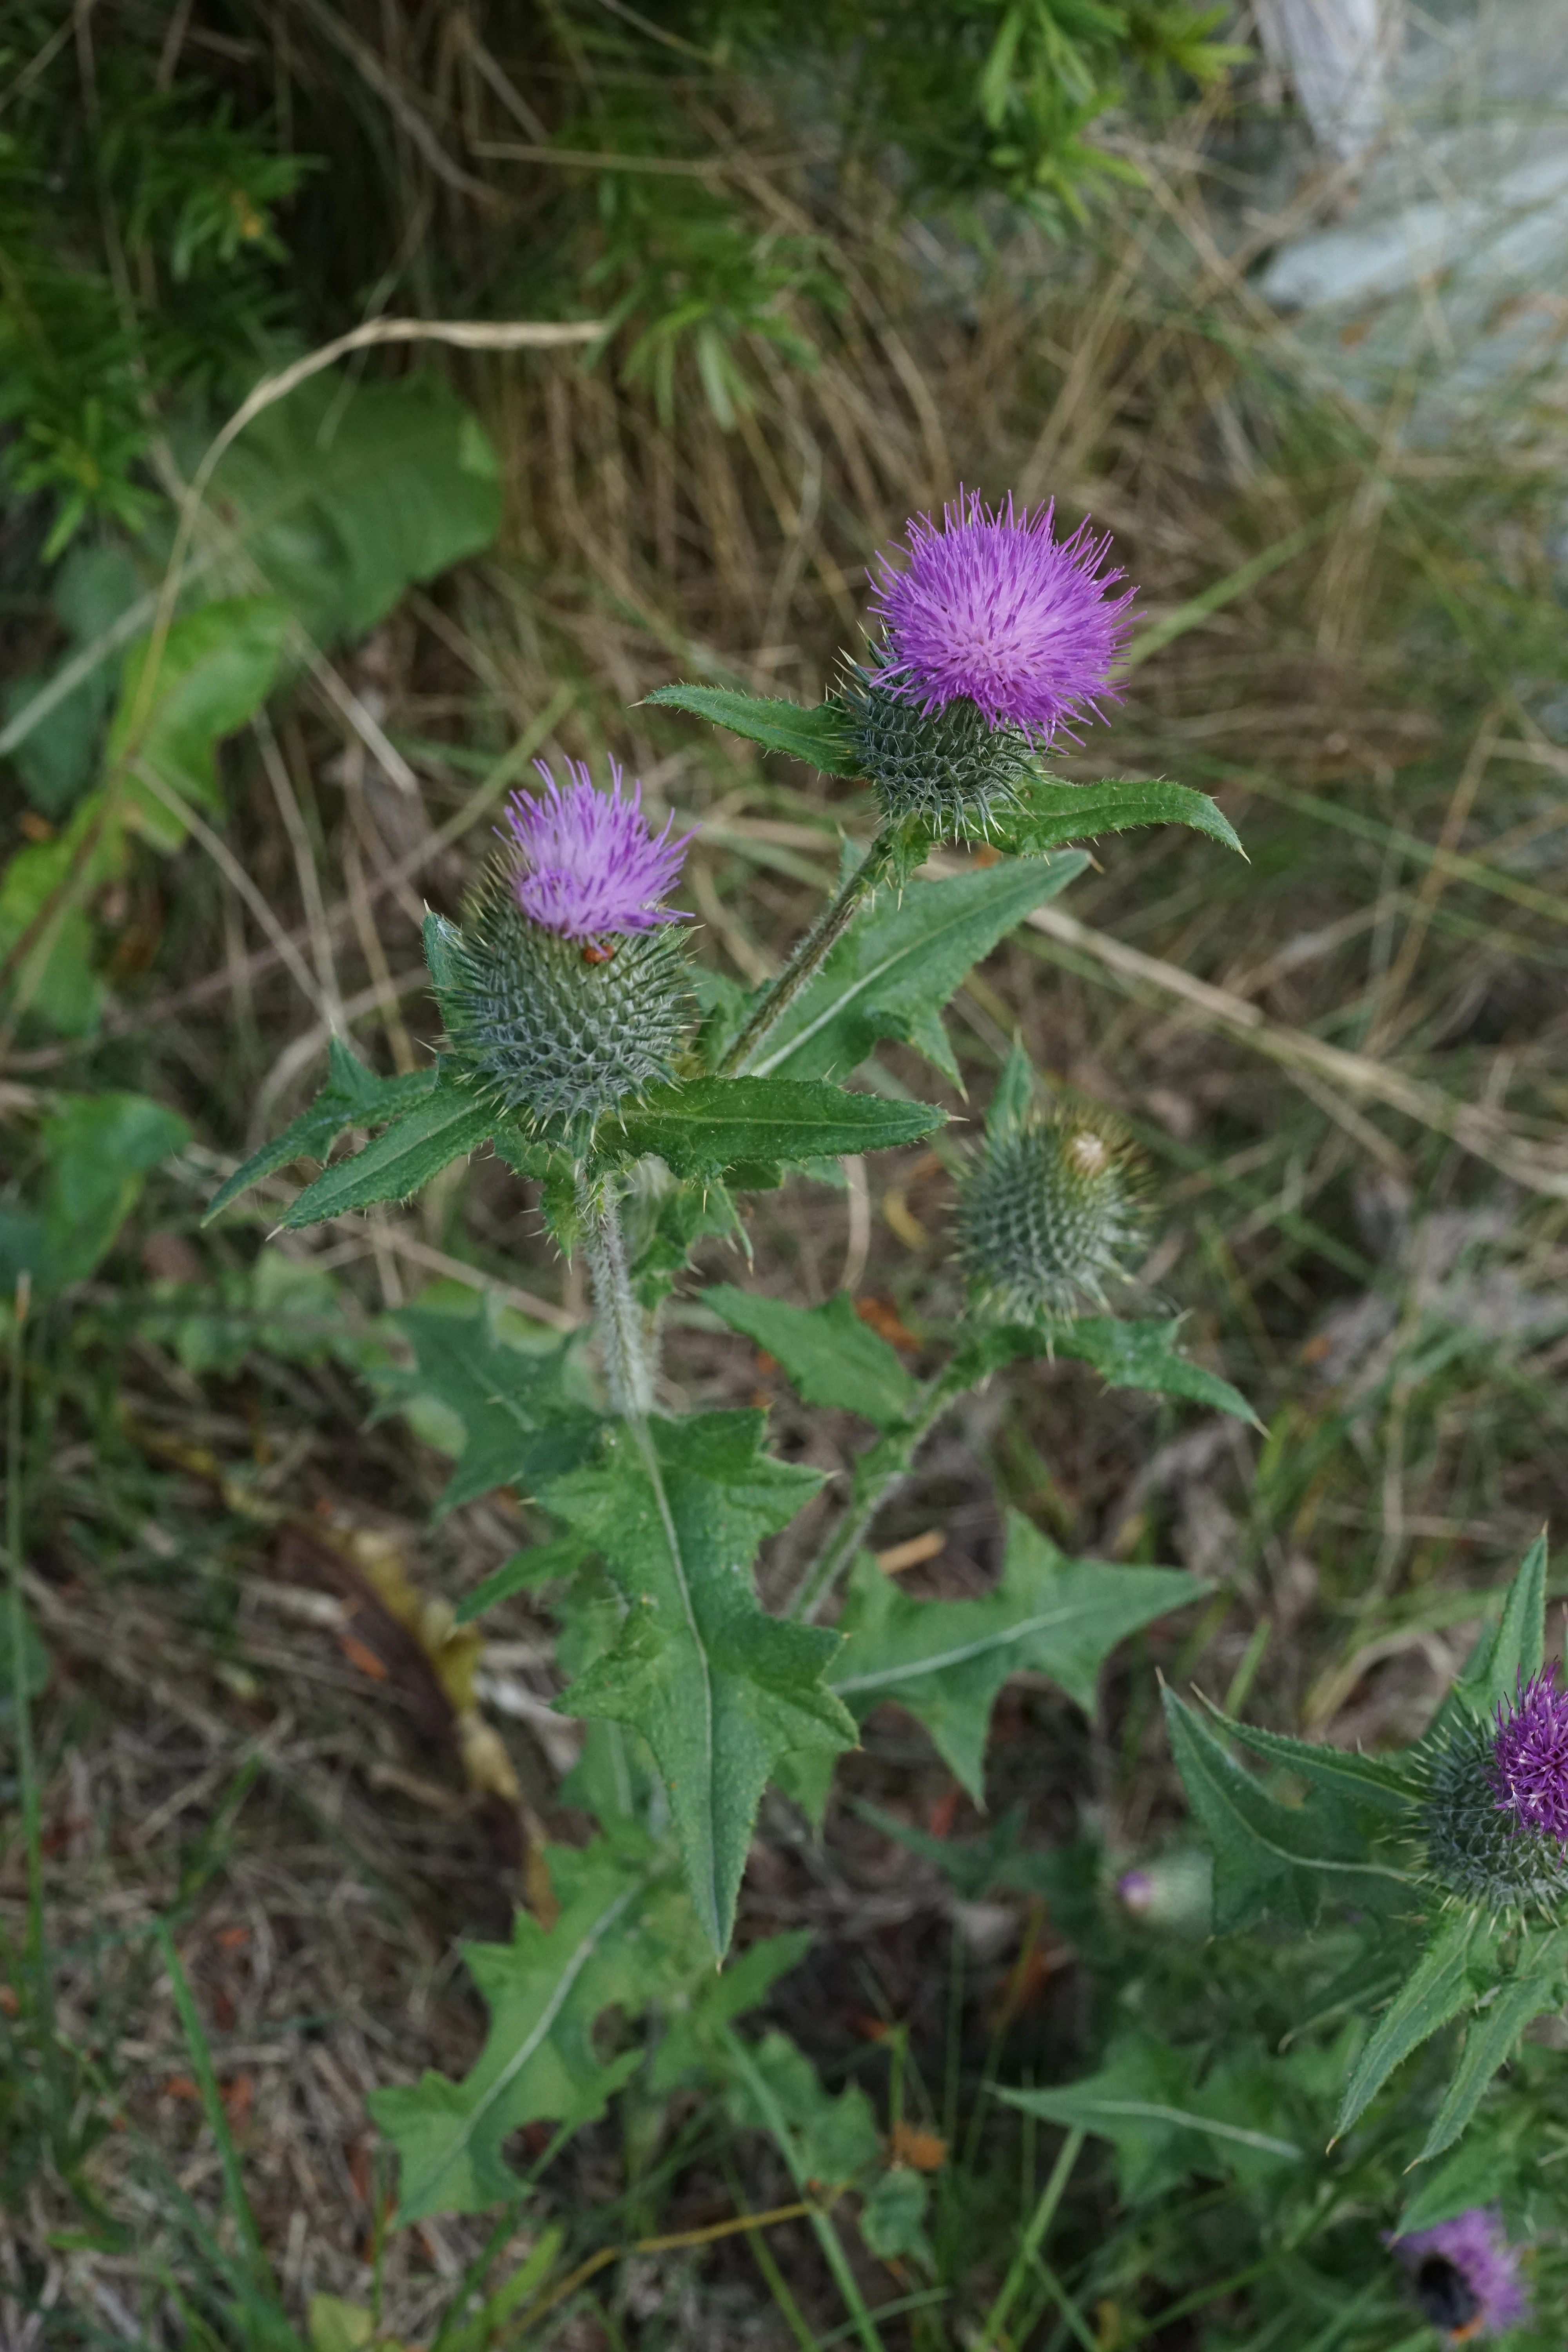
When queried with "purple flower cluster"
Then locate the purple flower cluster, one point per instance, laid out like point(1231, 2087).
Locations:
point(1465, 2275)
point(591, 861)
point(1530, 1756)
point(994, 608)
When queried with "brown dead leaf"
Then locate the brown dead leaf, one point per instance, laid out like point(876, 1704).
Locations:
point(925, 2151)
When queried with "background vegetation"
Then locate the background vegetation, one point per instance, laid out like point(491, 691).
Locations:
point(263, 1786)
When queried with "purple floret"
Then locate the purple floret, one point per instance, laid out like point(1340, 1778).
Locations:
point(992, 607)
point(1465, 2275)
point(590, 861)
point(1530, 1756)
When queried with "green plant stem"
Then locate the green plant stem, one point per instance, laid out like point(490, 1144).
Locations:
point(1029, 2246)
point(817, 1584)
point(812, 951)
point(630, 1364)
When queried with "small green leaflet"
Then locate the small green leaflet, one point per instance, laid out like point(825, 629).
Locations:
point(714, 1124)
point(1144, 2101)
point(1128, 1355)
point(692, 2045)
point(816, 736)
point(1449, 1977)
point(522, 1421)
point(99, 1152)
point(826, 2138)
point(1051, 811)
point(1267, 1856)
point(352, 1096)
point(535, 1564)
point(946, 1660)
point(1537, 1983)
point(1386, 1784)
point(719, 1689)
point(1506, 1654)
point(830, 1357)
point(892, 972)
point(442, 1126)
point(623, 1936)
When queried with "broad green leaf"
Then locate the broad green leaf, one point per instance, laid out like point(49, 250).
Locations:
point(719, 1689)
point(945, 1661)
point(1144, 2101)
point(100, 1150)
point(352, 1096)
point(826, 2137)
point(894, 969)
point(816, 736)
point(55, 978)
point(1386, 1783)
point(1509, 1651)
point(1537, 1982)
point(440, 1127)
point(1450, 1973)
point(522, 1421)
point(830, 1356)
point(1128, 1355)
point(623, 1937)
point(216, 669)
point(892, 2218)
point(1267, 1856)
point(334, 2326)
point(1051, 812)
point(341, 498)
point(714, 1124)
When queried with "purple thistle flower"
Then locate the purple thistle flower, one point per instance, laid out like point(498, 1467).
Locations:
point(1530, 1756)
point(992, 607)
point(1465, 2275)
point(591, 861)
point(1135, 1892)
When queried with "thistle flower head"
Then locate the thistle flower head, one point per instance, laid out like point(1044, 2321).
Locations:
point(993, 609)
point(1530, 1756)
point(588, 862)
point(565, 992)
point(1048, 1214)
point(1481, 1843)
point(1465, 2275)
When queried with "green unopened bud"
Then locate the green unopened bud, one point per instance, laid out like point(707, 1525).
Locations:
point(556, 1030)
point(1049, 1212)
point(1478, 1850)
point(953, 767)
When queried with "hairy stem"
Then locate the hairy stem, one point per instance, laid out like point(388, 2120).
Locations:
point(630, 1362)
point(887, 1474)
point(811, 953)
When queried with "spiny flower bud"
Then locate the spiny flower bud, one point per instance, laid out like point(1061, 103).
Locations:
point(1497, 1807)
point(1047, 1212)
point(997, 636)
point(565, 992)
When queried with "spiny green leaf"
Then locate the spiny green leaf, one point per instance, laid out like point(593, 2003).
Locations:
point(714, 1124)
point(1389, 1784)
point(521, 1420)
point(945, 1661)
point(1051, 811)
point(1128, 1355)
point(817, 736)
point(719, 1689)
point(1266, 1855)
point(1447, 1979)
point(894, 969)
point(828, 1355)
point(1144, 2101)
point(1537, 1982)
point(1509, 1651)
point(442, 1126)
point(625, 1936)
point(352, 1096)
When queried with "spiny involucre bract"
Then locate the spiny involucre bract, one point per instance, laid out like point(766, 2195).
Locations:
point(997, 636)
point(1048, 1214)
point(1495, 1813)
point(565, 993)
